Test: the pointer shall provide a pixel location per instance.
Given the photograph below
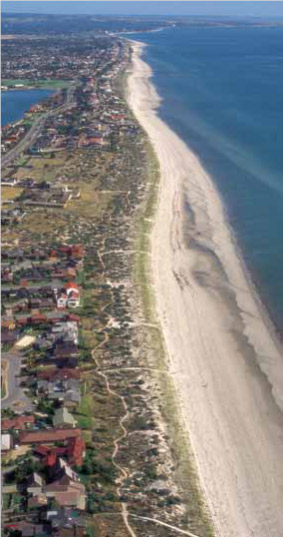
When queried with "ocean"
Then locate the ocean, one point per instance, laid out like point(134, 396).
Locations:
point(14, 103)
point(221, 91)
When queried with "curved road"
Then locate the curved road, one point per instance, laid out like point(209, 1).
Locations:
point(36, 128)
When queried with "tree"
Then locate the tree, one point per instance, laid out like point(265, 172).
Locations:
point(24, 470)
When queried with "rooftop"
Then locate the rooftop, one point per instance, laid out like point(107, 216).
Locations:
point(50, 436)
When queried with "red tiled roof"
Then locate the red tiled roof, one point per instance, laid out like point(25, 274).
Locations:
point(23, 320)
point(66, 498)
point(74, 294)
point(55, 373)
point(73, 452)
point(65, 249)
point(7, 323)
point(96, 139)
point(76, 448)
point(50, 459)
point(74, 317)
point(50, 454)
point(77, 250)
point(50, 436)
point(71, 285)
point(19, 423)
point(42, 450)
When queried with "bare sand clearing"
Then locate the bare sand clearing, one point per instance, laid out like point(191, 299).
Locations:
point(224, 358)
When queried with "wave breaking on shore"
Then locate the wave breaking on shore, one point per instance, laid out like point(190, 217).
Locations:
point(222, 351)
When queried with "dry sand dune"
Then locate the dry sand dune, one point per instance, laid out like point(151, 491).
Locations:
point(224, 358)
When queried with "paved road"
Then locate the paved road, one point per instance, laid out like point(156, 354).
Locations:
point(35, 129)
point(15, 398)
point(35, 287)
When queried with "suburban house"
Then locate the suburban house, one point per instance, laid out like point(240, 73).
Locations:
point(35, 502)
point(66, 354)
point(66, 522)
point(73, 452)
point(35, 484)
point(27, 529)
point(52, 374)
point(50, 436)
point(63, 418)
point(69, 296)
point(19, 423)
point(67, 330)
point(62, 473)
point(66, 391)
point(72, 495)
point(64, 488)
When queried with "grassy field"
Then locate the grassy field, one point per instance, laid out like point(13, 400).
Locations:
point(42, 84)
point(10, 193)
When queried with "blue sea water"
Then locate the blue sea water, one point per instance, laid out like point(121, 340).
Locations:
point(222, 93)
point(15, 103)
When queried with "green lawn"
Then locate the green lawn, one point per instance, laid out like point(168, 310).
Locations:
point(84, 415)
point(6, 501)
point(21, 161)
point(48, 83)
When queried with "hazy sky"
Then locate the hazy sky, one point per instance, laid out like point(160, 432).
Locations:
point(148, 7)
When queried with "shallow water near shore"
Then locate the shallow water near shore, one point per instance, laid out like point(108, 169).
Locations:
point(220, 90)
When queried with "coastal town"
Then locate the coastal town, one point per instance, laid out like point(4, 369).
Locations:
point(142, 297)
point(84, 450)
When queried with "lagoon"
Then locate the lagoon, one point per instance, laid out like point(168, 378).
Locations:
point(14, 103)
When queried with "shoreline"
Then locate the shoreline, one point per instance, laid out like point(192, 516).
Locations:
point(215, 335)
point(15, 122)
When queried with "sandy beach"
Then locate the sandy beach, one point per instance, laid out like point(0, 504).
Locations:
point(222, 353)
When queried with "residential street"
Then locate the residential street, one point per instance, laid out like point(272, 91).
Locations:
point(34, 131)
point(15, 398)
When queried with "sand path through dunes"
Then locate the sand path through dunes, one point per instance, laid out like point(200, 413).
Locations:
point(225, 361)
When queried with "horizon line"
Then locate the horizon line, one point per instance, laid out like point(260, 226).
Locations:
point(211, 15)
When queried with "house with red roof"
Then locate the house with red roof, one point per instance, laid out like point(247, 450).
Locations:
point(53, 373)
point(76, 450)
point(19, 423)
point(73, 452)
point(49, 436)
point(69, 296)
